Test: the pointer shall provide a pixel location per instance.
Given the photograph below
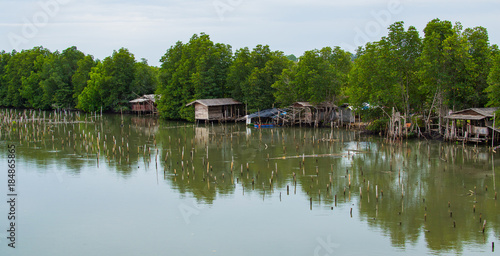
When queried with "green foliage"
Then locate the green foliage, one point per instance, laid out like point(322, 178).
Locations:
point(82, 75)
point(91, 98)
point(145, 79)
point(4, 60)
point(454, 65)
point(192, 71)
point(292, 58)
point(493, 89)
point(378, 125)
point(481, 54)
point(384, 72)
point(20, 86)
point(239, 71)
point(319, 76)
point(450, 67)
point(252, 74)
point(110, 83)
point(39, 79)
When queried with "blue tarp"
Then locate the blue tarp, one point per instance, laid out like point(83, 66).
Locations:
point(264, 113)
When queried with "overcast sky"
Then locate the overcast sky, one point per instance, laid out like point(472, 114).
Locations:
point(149, 27)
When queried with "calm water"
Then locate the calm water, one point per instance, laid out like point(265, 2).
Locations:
point(177, 189)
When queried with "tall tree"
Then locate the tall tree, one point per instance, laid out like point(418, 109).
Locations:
point(4, 61)
point(371, 80)
point(91, 98)
point(23, 91)
point(112, 81)
point(481, 54)
point(57, 73)
point(319, 76)
point(145, 79)
point(172, 78)
point(401, 50)
point(191, 71)
point(238, 73)
point(252, 75)
point(445, 66)
point(82, 75)
point(493, 89)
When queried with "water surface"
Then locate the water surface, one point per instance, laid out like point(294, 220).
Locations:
point(129, 185)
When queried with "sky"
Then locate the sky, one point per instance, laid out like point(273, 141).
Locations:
point(148, 28)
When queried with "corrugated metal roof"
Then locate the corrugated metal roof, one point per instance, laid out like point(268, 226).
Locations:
point(215, 102)
point(465, 117)
point(319, 105)
point(488, 112)
point(144, 98)
point(472, 113)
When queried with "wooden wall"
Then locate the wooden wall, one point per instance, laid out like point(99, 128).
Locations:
point(215, 113)
point(200, 112)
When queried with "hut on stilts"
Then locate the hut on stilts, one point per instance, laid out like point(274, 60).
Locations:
point(471, 125)
point(144, 105)
point(221, 110)
point(305, 113)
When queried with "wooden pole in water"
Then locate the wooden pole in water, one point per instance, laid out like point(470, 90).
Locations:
point(493, 132)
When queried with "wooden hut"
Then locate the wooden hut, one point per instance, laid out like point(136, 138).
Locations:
point(268, 117)
point(144, 104)
point(346, 114)
point(473, 124)
point(309, 114)
point(222, 110)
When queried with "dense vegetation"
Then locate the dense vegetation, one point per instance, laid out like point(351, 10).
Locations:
point(41, 79)
point(448, 68)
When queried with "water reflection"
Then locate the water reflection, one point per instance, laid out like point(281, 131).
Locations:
point(409, 191)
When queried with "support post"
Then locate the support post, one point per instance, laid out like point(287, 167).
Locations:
point(493, 132)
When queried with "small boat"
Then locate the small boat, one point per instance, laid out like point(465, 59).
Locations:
point(263, 125)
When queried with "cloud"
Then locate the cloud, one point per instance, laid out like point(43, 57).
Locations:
point(148, 28)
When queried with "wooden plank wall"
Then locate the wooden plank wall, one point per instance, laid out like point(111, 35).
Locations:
point(200, 112)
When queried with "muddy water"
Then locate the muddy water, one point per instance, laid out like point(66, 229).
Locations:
point(113, 185)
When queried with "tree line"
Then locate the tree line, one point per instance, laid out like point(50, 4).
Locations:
point(448, 68)
point(40, 79)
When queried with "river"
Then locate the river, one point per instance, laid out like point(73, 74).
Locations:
point(129, 185)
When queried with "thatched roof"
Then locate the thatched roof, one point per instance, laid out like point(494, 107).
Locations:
point(472, 114)
point(145, 98)
point(215, 102)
